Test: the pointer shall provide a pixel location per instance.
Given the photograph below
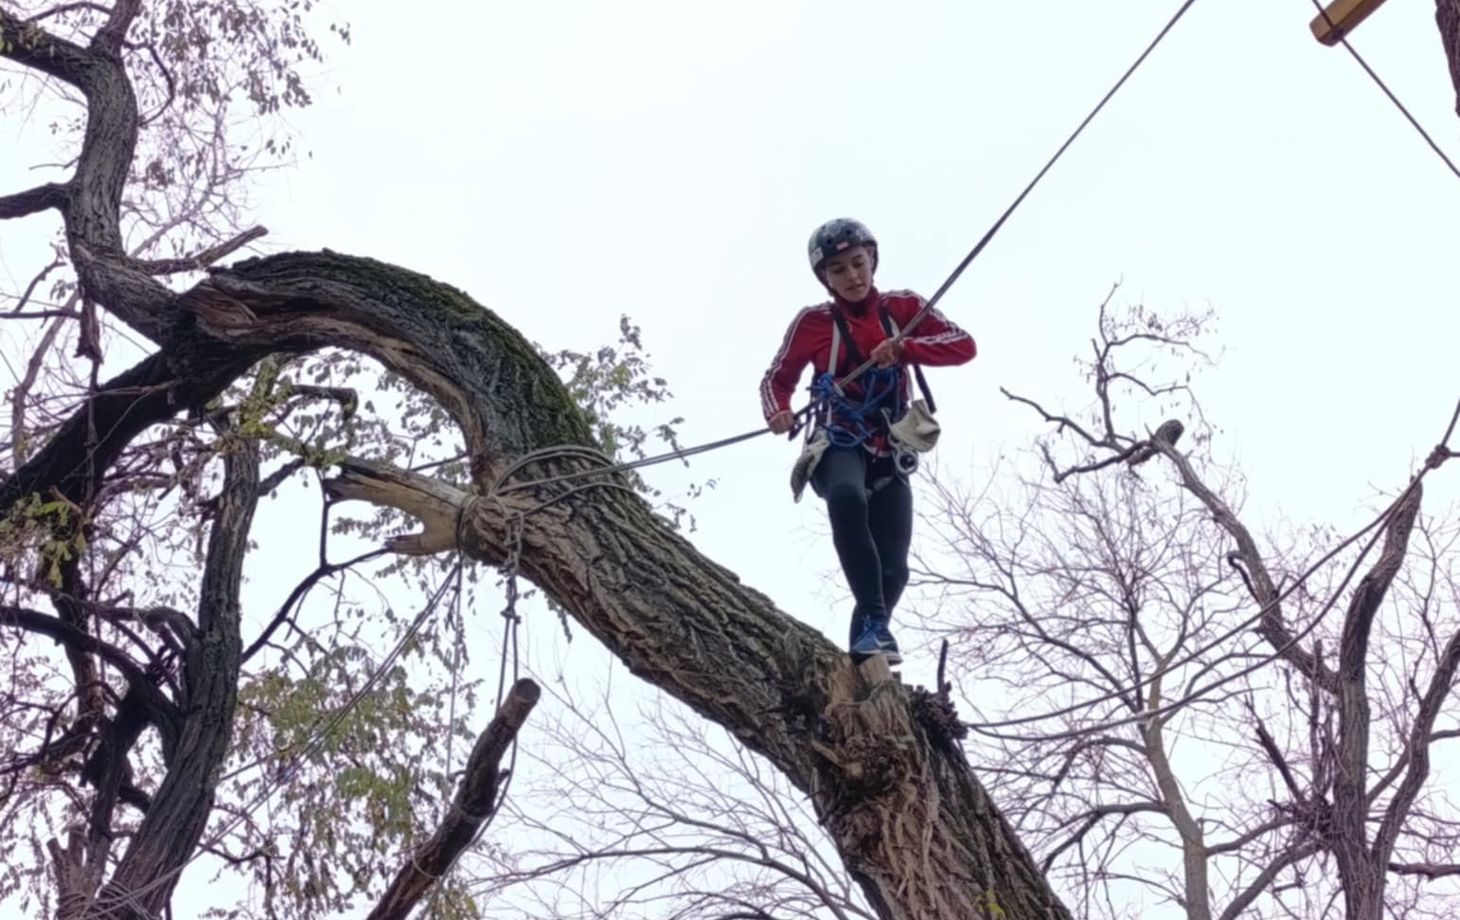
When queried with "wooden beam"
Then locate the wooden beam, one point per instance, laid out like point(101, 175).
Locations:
point(1345, 16)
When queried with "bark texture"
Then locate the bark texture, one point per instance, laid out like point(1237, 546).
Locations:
point(1363, 866)
point(143, 882)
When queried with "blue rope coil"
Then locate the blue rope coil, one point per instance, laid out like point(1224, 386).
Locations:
point(846, 422)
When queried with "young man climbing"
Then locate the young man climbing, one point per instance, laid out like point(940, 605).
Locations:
point(854, 458)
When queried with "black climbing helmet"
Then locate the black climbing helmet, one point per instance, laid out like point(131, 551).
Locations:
point(836, 236)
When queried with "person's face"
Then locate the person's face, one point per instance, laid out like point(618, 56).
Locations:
point(849, 273)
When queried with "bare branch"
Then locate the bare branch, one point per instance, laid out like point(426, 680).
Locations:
point(474, 804)
point(64, 8)
point(34, 200)
point(279, 476)
point(203, 259)
point(1271, 625)
point(83, 642)
point(1093, 817)
point(34, 283)
point(1062, 421)
point(167, 79)
point(1361, 872)
point(1417, 750)
point(19, 396)
point(324, 570)
point(1242, 840)
point(1264, 738)
point(27, 44)
point(109, 39)
point(1430, 871)
point(1264, 879)
point(1132, 454)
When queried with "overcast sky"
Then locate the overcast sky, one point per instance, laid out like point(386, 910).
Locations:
point(565, 162)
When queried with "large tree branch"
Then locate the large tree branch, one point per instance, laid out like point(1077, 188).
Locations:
point(674, 617)
point(1271, 624)
point(1362, 871)
point(108, 39)
point(476, 798)
point(169, 833)
point(27, 44)
point(75, 459)
point(92, 207)
point(1430, 871)
point(32, 201)
point(84, 642)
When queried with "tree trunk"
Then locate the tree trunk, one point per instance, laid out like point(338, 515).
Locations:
point(1362, 868)
point(1197, 896)
point(173, 826)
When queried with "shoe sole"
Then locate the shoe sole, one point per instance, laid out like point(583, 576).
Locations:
point(892, 657)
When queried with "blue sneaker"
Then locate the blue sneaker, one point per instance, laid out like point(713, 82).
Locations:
point(876, 639)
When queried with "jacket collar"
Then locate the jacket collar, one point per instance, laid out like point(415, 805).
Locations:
point(857, 308)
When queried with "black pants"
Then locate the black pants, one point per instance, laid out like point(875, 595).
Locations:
point(870, 508)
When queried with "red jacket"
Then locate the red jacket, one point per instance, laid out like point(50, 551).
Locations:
point(936, 341)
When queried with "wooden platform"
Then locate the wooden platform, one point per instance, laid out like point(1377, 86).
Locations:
point(1345, 16)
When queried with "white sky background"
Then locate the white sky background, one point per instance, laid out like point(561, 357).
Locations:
point(565, 162)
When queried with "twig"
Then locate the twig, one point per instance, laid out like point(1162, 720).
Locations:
point(34, 283)
point(1061, 420)
point(167, 78)
point(68, 8)
point(203, 259)
point(1264, 738)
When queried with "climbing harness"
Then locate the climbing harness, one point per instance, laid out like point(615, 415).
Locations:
point(838, 420)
